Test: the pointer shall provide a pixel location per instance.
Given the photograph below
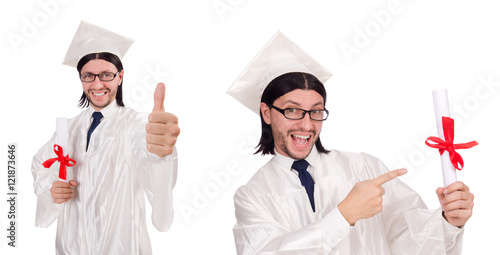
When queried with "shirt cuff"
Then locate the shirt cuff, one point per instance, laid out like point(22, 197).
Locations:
point(450, 233)
point(335, 227)
point(156, 158)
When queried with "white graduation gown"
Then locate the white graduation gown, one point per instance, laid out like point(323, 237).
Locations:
point(274, 215)
point(107, 213)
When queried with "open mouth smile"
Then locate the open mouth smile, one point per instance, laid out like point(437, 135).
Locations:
point(99, 94)
point(301, 139)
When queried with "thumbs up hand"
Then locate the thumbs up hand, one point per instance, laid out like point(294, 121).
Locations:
point(162, 130)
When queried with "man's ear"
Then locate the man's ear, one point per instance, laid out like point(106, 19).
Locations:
point(266, 113)
point(120, 76)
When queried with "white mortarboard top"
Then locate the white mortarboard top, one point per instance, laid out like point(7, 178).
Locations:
point(279, 56)
point(90, 38)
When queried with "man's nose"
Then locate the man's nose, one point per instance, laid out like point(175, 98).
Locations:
point(97, 83)
point(306, 122)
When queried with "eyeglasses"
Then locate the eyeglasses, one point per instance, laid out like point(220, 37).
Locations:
point(90, 77)
point(298, 114)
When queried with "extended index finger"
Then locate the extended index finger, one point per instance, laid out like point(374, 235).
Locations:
point(389, 176)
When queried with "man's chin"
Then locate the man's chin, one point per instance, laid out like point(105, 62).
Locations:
point(99, 106)
point(298, 153)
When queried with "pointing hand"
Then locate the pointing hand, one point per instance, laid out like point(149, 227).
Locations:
point(365, 198)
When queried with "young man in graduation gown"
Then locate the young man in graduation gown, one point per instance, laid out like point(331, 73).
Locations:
point(308, 200)
point(120, 156)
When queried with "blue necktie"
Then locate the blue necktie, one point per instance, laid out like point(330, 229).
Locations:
point(305, 179)
point(96, 120)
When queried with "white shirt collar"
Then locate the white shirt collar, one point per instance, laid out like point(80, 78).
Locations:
point(287, 162)
point(107, 111)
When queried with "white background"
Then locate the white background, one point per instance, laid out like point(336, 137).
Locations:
point(380, 96)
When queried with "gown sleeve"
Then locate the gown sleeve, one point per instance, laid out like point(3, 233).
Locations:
point(410, 227)
point(158, 176)
point(46, 210)
point(256, 232)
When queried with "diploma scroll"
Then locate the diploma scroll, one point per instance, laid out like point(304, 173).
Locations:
point(62, 137)
point(441, 107)
point(62, 133)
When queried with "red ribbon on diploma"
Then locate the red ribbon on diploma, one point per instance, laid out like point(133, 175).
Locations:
point(63, 161)
point(447, 144)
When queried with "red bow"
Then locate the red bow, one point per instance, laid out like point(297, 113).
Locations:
point(447, 144)
point(64, 161)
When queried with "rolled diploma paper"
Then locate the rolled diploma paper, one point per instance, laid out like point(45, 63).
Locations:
point(441, 107)
point(62, 137)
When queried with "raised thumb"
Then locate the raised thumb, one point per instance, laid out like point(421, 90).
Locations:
point(159, 98)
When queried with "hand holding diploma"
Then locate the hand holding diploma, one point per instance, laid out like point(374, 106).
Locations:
point(62, 191)
point(456, 202)
point(456, 199)
point(162, 129)
point(365, 198)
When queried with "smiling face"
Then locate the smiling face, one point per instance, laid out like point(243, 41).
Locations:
point(101, 93)
point(294, 138)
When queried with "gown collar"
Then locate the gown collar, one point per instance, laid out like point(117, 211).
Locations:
point(107, 111)
point(286, 162)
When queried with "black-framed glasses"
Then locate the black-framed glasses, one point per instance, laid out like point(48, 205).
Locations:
point(90, 77)
point(298, 114)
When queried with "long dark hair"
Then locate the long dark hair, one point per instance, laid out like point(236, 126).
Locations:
point(113, 59)
point(278, 87)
